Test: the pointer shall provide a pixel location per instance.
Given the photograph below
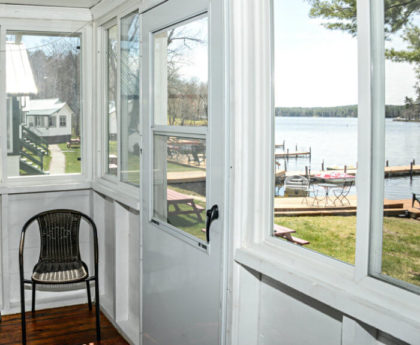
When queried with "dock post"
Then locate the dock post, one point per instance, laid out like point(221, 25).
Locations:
point(306, 171)
point(414, 161)
point(345, 169)
point(322, 165)
point(411, 170)
point(387, 163)
point(285, 166)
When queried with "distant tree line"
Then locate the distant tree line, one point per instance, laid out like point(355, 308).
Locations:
point(391, 111)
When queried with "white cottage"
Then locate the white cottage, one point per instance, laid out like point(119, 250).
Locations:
point(49, 118)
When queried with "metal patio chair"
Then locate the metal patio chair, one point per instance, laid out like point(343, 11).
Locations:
point(59, 258)
point(416, 197)
point(342, 193)
point(314, 195)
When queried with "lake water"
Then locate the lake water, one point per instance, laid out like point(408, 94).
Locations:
point(334, 141)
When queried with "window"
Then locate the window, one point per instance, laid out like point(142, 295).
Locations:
point(43, 77)
point(112, 124)
point(396, 241)
point(52, 121)
point(39, 121)
point(122, 99)
point(180, 107)
point(63, 121)
point(130, 95)
point(316, 119)
point(316, 134)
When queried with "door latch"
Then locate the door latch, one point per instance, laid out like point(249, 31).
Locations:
point(212, 214)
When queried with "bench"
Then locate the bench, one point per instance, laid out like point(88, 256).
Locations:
point(175, 199)
point(286, 233)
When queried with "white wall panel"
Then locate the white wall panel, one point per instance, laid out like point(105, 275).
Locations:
point(291, 318)
point(118, 226)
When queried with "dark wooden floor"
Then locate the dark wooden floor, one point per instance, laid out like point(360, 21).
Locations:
point(73, 325)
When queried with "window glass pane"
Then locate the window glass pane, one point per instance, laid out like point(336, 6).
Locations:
point(43, 83)
point(179, 183)
point(181, 74)
point(315, 127)
point(112, 129)
point(130, 106)
point(401, 231)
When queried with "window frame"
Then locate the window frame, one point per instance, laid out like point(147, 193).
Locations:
point(64, 118)
point(107, 183)
point(349, 289)
point(83, 29)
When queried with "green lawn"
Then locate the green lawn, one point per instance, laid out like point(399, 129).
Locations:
point(72, 163)
point(174, 167)
point(335, 236)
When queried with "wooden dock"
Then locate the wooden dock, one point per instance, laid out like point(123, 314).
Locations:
point(404, 170)
point(296, 207)
point(292, 154)
point(186, 176)
point(394, 171)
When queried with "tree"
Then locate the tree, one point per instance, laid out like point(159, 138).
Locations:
point(399, 15)
point(187, 96)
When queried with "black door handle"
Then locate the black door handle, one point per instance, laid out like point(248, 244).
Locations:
point(212, 214)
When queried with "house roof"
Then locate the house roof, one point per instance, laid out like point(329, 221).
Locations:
point(43, 106)
point(19, 77)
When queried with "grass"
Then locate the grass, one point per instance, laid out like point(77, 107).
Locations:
point(336, 237)
point(73, 165)
point(174, 167)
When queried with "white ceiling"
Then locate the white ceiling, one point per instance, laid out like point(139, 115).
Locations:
point(54, 3)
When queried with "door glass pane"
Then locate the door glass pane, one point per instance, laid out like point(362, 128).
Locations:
point(401, 229)
point(315, 127)
point(181, 74)
point(112, 55)
point(179, 183)
point(130, 105)
point(43, 103)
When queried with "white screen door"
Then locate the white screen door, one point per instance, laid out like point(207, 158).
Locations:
point(183, 176)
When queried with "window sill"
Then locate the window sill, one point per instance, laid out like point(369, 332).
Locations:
point(374, 302)
point(18, 186)
point(118, 191)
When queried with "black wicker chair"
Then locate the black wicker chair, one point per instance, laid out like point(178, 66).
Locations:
point(59, 259)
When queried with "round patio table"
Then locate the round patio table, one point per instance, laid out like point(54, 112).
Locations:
point(327, 187)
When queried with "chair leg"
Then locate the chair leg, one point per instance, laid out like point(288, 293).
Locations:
point(98, 309)
point(22, 310)
point(88, 294)
point(33, 296)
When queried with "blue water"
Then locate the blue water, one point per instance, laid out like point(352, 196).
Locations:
point(334, 141)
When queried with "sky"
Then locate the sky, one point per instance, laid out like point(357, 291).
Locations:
point(194, 56)
point(318, 67)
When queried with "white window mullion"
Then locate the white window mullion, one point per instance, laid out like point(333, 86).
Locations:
point(118, 100)
point(364, 154)
point(378, 135)
point(3, 119)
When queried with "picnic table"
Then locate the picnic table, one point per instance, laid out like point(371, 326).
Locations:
point(286, 233)
point(176, 199)
point(73, 142)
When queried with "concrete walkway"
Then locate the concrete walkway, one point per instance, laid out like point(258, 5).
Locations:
point(58, 160)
